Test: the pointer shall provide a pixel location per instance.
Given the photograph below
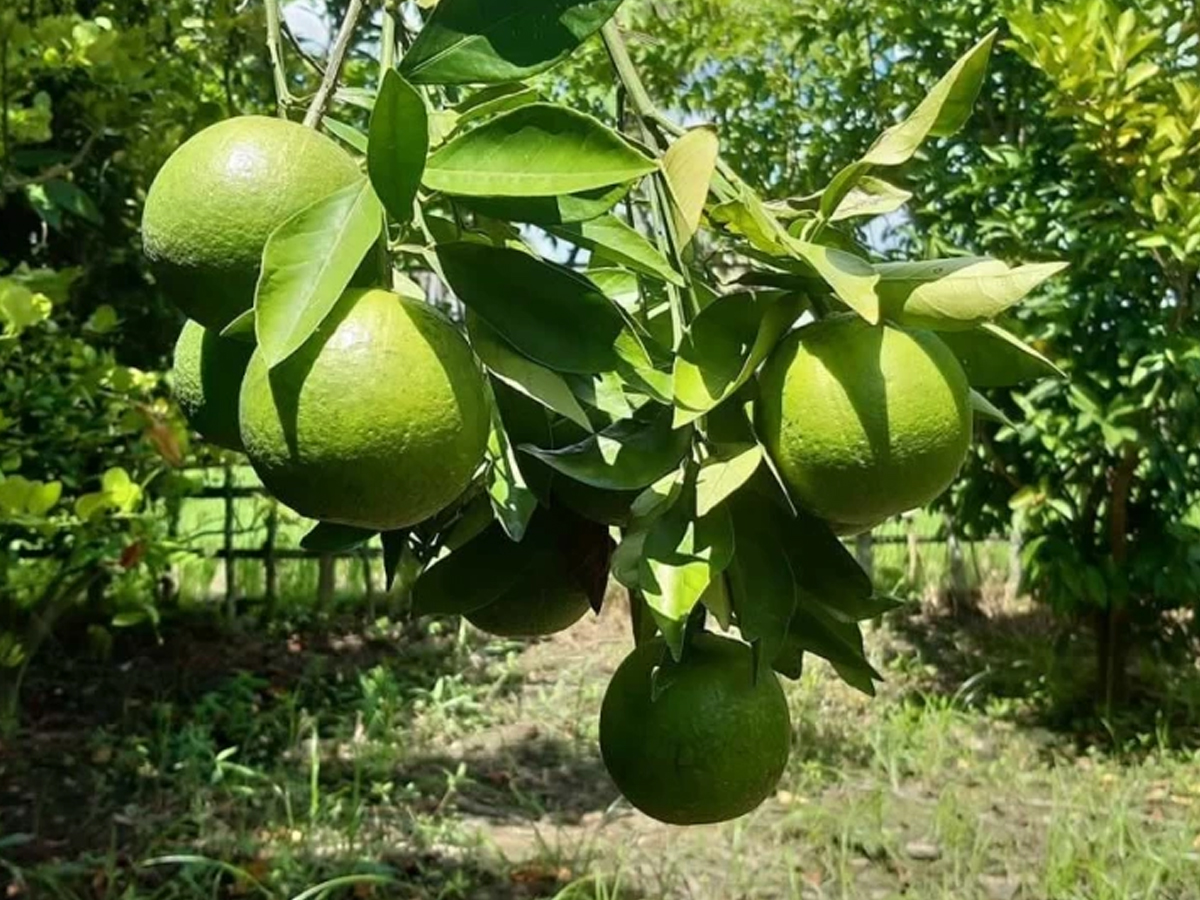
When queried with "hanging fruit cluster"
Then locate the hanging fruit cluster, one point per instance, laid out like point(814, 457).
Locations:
point(701, 437)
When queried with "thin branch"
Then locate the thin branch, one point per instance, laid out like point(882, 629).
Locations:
point(56, 171)
point(337, 56)
point(304, 55)
point(283, 96)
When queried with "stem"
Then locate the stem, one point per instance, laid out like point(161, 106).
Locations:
point(387, 38)
point(333, 70)
point(283, 97)
point(627, 71)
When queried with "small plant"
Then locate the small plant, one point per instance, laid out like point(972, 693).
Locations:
point(699, 429)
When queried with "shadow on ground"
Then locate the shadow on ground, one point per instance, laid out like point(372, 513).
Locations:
point(1040, 671)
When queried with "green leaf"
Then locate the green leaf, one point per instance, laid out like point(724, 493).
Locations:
point(327, 537)
point(398, 145)
point(308, 263)
point(494, 100)
point(477, 573)
point(827, 575)
point(395, 546)
point(852, 278)
point(870, 197)
point(621, 244)
point(761, 583)
point(485, 41)
point(716, 599)
point(65, 195)
point(540, 150)
point(985, 409)
point(943, 112)
point(630, 454)
point(547, 312)
point(564, 209)
point(720, 477)
point(725, 345)
point(815, 631)
point(688, 165)
point(992, 357)
point(955, 294)
point(347, 134)
point(682, 554)
point(513, 502)
point(534, 381)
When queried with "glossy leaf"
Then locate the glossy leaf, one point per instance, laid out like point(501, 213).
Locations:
point(478, 573)
point(868, 198)
point(682, 554)
point(399, 143)
point(619, 243)
point(328, 537)
point(943, 112)
point(852, 278)
point(827, 575)
point(485, 41)
point(761, 583)
point(986, 409)
point(395, 549)
point(547, 312)
point(688, 165)
point(630, 454)
point(720, 477)
point(993, 357)
point(534, 381)
point(564, 209)
point(725, 345)
point(955, 294)
point(308, 263)
point(347, 134)
point(513, 501)
point(815, 631)
point(540, 150)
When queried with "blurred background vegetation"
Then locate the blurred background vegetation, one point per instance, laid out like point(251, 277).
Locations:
point(283, 724)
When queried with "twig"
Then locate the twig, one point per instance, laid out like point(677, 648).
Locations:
point(387, 39)
point(56, 171)
point(337, 56)
point(304, 55)
point(283, 96)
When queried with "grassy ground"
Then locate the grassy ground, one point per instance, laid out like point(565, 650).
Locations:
point(423, 764)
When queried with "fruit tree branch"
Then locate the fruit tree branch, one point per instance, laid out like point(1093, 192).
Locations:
point(333, 70)
point(283, 97)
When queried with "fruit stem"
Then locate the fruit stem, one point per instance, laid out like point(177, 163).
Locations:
point(333, 69)
point(283, 96)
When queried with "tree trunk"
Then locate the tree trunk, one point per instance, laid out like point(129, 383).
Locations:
point(1112, 637)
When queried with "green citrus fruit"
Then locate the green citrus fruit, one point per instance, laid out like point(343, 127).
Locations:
point(208, 374)
point(700, 741)
point(217, 199)
point(379, 421)
point(546, 604)
point(864, 421)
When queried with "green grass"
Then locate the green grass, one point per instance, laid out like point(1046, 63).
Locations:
point(442, 766)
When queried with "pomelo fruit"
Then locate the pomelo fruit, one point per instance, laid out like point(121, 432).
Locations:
point(703, 740)
point(864, 421)
point(208, 372)
point(547, 603)
point(379, 421)
point(217, 199)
